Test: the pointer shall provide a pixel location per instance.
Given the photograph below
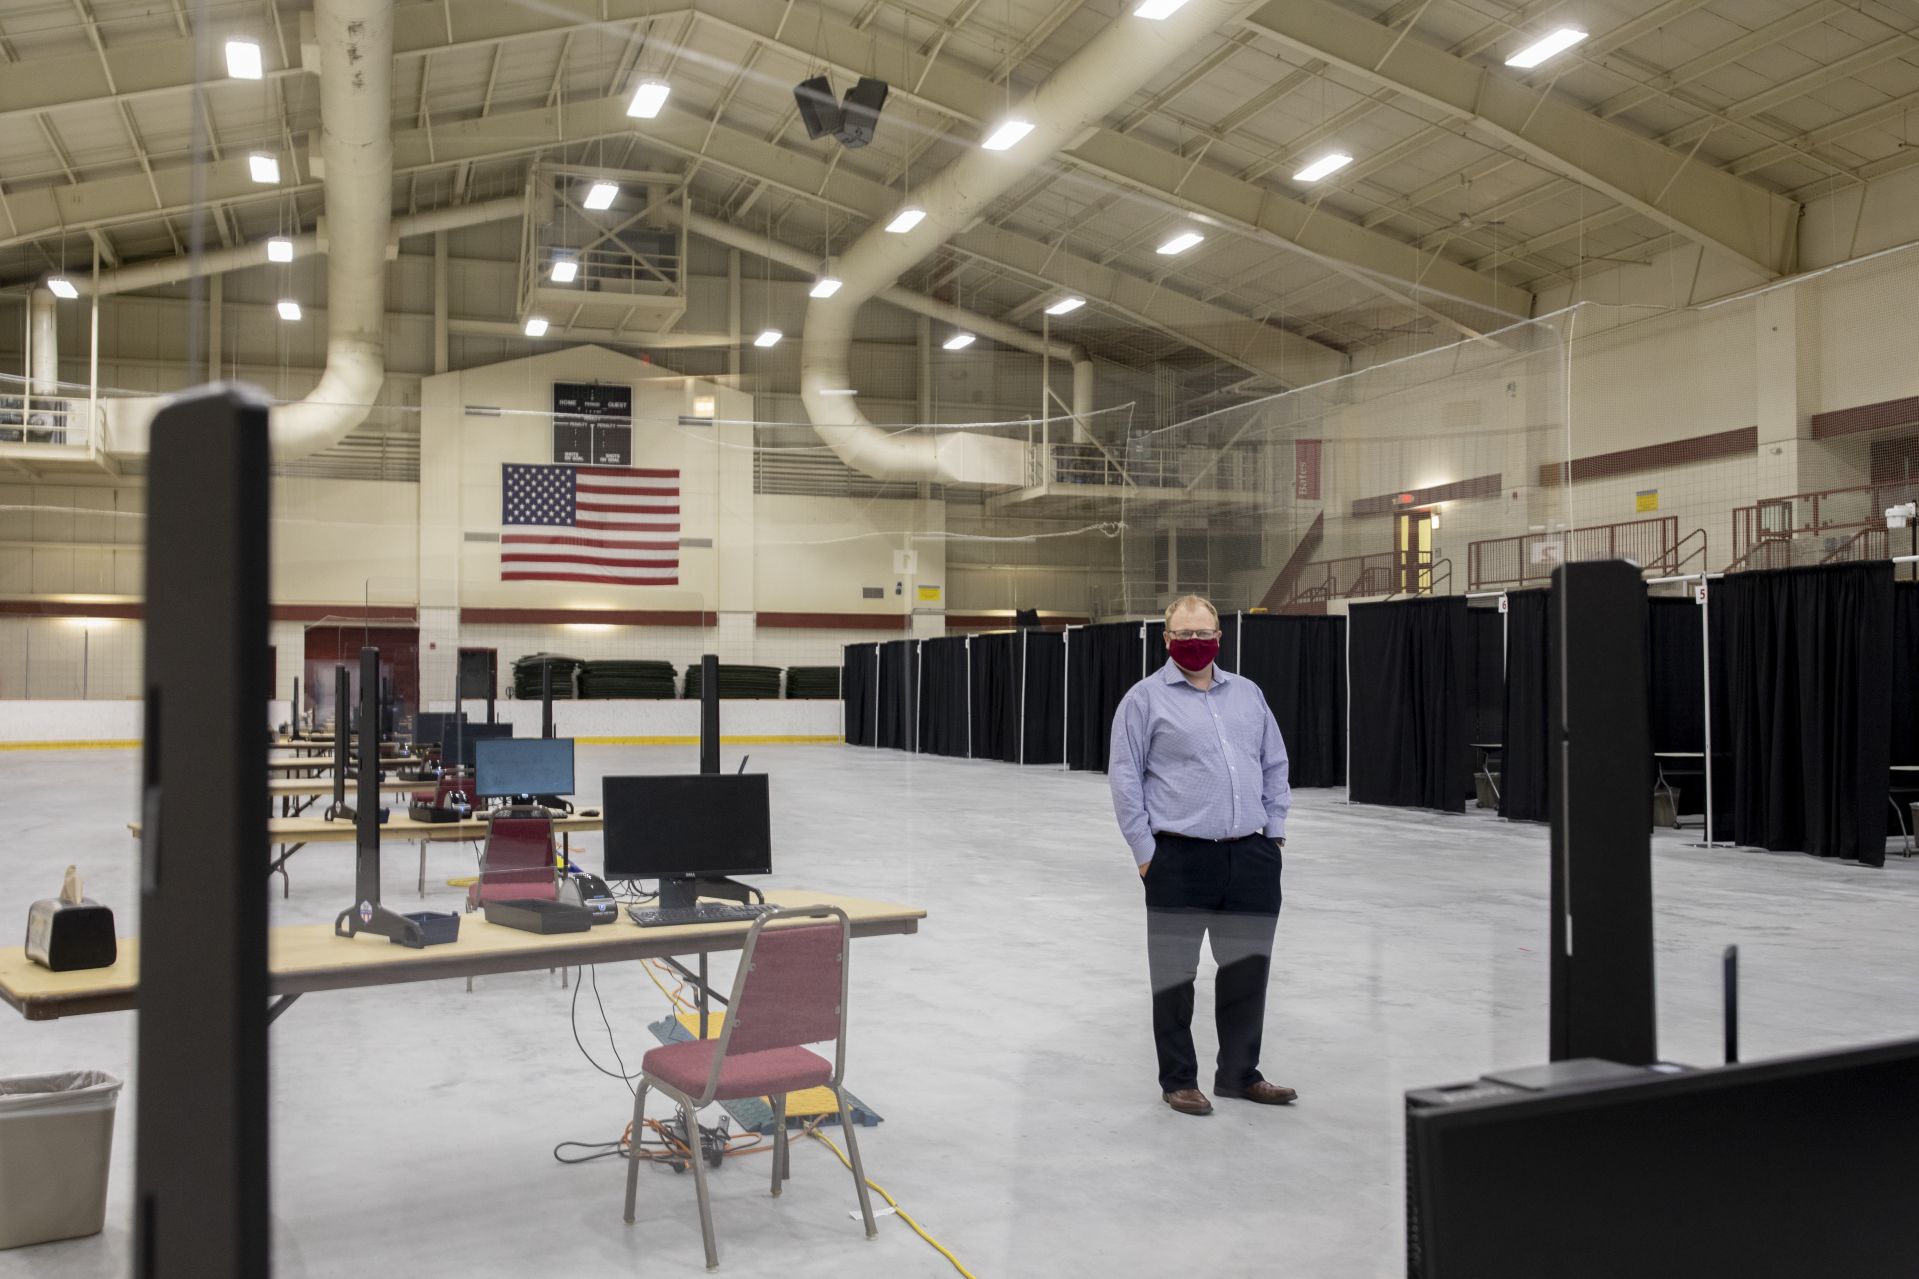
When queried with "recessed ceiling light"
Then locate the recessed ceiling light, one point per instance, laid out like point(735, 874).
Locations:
point(565, 269)
point(824, 287)
point(279, 249)
point(1546, 46)
point(1180, 243)
point(1154, 10)
point(1066, 306)
point(536, 327)
point(243, 60)
point(600, 195)
point(264, 168)
point(1332, 162)
point(648, 98)
point(959, 341)
point(289, 309)
point(1007, 135)
point(838, 390)
point(768, 337)
point(62, 287)
point(905, 220)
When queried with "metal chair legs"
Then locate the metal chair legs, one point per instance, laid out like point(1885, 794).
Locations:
point(633, 1160)
point(779, 1142)
point(859, 1170)
point(699, 1183)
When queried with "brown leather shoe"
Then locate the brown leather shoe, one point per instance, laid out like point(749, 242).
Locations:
point(1188, 1101)
point(1262, 1092)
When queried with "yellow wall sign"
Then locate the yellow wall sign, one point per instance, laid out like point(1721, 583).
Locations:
point(929, 594)
point(1646, 500)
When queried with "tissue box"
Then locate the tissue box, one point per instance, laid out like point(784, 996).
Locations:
point(65, 936)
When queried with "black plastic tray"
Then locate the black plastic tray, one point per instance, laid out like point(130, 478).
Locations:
point(536, 915)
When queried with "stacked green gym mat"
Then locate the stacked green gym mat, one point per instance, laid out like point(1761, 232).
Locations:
point(526, 676)
point(738, 681)
point(627, 679)
point(813, 683)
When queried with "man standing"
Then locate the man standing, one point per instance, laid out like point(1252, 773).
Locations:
point(1198, 774)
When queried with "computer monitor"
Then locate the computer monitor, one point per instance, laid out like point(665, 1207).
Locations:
point(469, 736)
point(509, 768)
point(1779, 1169)
point(679, 828)
point(437, 728)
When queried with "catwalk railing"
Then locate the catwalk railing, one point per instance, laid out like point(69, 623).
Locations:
point(1529, 559)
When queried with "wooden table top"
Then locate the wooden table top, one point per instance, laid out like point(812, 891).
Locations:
point(304, 958)
point(317, 830)
point(324, 763)
point(278, 787)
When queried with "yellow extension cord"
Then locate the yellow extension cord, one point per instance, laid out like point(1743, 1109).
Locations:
point(681, 1005)
point(898, 1211)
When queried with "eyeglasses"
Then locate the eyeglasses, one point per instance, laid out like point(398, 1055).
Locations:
point(1192, 635)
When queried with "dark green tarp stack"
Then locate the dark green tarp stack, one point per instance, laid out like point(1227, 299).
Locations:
point(526, 676)
point(739, 681)
point(813, 683)
point(627, 679)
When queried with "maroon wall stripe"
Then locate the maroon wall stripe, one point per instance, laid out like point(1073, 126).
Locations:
point(1698, 448)
point(1866, 417)
point(606, 616)
point(1409, 499)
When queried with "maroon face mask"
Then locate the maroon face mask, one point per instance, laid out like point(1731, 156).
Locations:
point(1194, 654)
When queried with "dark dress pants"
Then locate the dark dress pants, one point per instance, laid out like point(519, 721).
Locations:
point(1230, 890)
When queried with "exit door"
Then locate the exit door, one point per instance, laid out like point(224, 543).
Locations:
point(1412, 552)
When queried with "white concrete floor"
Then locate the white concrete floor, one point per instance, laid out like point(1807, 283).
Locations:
point(1007, 1045)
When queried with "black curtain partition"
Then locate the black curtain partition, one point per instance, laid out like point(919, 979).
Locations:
point(1809, 685)
point(1299, 663)
point(942, 707)
point(1905, 674)
point(1676, 704)
point(1523, 731)
point(1486, 632)
point(1102, 663)
point(996, 708)
point(858, 676)
point(1410, 716)
point(1045, 700)
point(898, 694)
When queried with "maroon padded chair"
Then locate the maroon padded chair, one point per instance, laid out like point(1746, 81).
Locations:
point(789, 992)
point(518, 862)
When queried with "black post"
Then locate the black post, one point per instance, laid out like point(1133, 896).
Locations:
point(492, 684)
point(709, 714)
point(1729, 975)
point(342, 742)
point(201, 1171)
point(366, 826)
point(293, 728)
point(546, 699)
point(1600, 786)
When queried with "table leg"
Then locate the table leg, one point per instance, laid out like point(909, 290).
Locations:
point(701, 993)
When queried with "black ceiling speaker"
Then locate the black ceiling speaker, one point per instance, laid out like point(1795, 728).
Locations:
point(861, 112)
point(819, 109)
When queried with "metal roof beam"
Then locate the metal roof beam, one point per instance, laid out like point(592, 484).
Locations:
point(1729, 214)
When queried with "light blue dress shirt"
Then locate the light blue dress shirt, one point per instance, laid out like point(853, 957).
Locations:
point(1208, 765)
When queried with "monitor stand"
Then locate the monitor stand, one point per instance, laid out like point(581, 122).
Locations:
point(679, 892)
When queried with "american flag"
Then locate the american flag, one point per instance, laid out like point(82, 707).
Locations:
point(616, 525)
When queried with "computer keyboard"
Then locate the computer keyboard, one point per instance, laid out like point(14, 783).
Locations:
point(651, 917)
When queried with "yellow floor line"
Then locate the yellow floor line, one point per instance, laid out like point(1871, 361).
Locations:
point(68, 746)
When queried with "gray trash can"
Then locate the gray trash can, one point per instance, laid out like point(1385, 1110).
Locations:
point(56, 1142)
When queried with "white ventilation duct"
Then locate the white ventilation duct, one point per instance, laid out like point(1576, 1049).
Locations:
point(711, 228)
point(163, 271)
point(1078, 96)
point(43, 335)
point(356, 143)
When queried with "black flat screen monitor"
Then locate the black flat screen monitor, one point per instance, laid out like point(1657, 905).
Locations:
point(687, 824)
point(1781, 1169)
point(510, 767)
point(471, 735)
point(437, 728)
